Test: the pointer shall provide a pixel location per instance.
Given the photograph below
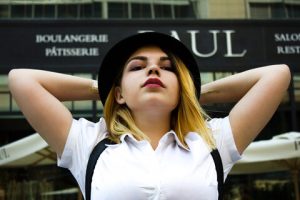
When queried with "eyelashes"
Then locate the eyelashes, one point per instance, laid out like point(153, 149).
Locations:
point(168, 68)
point(136, 68)
point(140, 67)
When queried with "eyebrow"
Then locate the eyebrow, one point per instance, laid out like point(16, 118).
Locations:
point(144, 58)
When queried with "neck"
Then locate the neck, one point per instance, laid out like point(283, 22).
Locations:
point(153, 124)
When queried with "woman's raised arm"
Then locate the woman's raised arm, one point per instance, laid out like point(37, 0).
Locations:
point(258, 92)
point(39, 94)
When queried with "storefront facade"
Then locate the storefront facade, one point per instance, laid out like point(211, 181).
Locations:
point(73, 37)
point(221, 47)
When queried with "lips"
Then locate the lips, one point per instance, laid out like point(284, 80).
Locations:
point(153, 82)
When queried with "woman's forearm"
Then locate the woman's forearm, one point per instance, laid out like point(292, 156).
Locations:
point(39, 94)
point(257, 93)
point(63, 87)
point(233, 88)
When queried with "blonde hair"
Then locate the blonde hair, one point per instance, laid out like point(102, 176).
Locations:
point(187, 117)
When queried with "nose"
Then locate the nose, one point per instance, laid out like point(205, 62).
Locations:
point(153, 69)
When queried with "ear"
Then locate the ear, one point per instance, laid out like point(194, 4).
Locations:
point(118, 95)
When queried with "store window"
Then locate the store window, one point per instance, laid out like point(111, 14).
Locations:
point(21, 11)
point(86, 11)
point(67, 11)
point(83, 106)
point(163, 11)
point(206, 77)
point(91, 10)
point(68, 104)
point(8, 104)
point(274, 10)
point(118, 10)
point(212, 109)
point(184, 11)
point(260, 11)
point(15, 107)
point(80, 105)
point(44, 11)
point(293, 11)
point(141, 10)
point(4, 11)
point(4, 94)
point(278, 11)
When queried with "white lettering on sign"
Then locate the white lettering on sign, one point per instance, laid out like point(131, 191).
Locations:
point(55, 51)
point(287, 37)
point(288, 49)
point(194, 43)
point(79, 38)
point(289, 43)
point(230, 53)
point(194, 38)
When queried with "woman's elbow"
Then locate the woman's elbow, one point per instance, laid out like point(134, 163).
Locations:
point(12, 77)
point(16, 79)
point(286, 74)
point(283, 73)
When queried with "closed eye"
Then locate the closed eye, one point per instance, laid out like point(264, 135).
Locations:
point(166, 64)
point(168, 68)
point(136, 68)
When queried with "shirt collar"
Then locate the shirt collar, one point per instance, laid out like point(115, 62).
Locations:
point(171, 136)
point(168, 138)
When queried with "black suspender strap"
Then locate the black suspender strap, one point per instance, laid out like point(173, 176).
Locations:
point(220, 173)
point(95, 154)
point(101, 146)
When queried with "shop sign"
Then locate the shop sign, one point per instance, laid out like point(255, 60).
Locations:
point(226, 45)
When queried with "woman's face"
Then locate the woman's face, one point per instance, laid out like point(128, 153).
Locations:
point(148, 81)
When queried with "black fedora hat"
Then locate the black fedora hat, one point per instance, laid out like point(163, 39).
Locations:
point(116, 57)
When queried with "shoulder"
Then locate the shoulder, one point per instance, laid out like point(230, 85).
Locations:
point(222, 132)
point(217, 124)
point(82, 138)
point(84, 135)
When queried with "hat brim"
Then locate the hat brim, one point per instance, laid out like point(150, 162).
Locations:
point(114, 60)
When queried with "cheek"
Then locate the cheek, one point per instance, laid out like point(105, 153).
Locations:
point(129, 86)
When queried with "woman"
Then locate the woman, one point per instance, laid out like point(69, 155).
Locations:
point(149, 85)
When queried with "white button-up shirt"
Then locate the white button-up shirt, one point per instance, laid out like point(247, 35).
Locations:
point(132, 170)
